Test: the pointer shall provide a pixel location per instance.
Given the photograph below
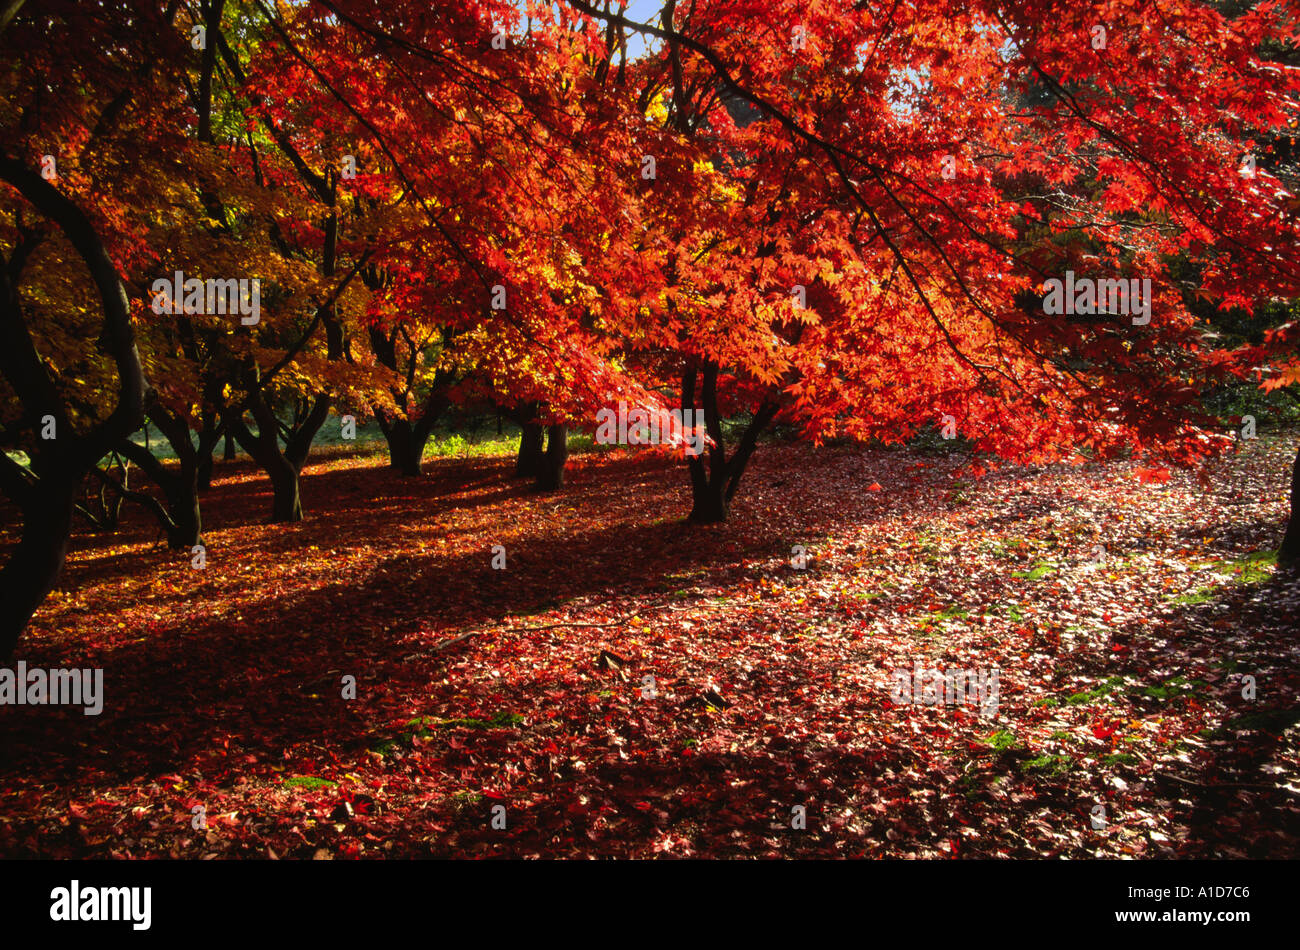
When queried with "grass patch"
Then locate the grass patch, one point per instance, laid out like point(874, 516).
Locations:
point(1036, 573)
point(868, 595)
point(929, 625)
point(311, 783)
point(1048, 764)
point(1013, 611)
point(1106, 687)
point(501, 720)
point(1202, 596)
point(952, 613)
point(464, 800)
point(1172, 687)
point(1002, 741)
point(1251, 569)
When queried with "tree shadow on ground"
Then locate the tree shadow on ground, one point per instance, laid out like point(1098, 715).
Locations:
point(243, 652)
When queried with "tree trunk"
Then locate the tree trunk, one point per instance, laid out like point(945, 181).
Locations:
point(709, 501)
point(180, 514)
point(406, 438)
point(286, 502)
point(113, 505)
point(181, 489)
point(204, 480)
point(1289, 552)
point(406, 454)
point(713, 487)
point(230, 454)
point(49, 503)
point(36, 562)
point(529, 464)
point(406, 433)
point(283, 467)
point(183, 506)
point(550, 472)
point(397, 432)
point(409, 460)
point(207, 446)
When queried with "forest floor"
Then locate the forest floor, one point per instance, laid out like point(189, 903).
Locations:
point(633, 686)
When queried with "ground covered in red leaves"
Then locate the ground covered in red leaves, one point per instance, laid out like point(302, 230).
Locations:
point(632, 686)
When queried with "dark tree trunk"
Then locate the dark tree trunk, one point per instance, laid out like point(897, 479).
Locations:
point(402, 456)
point(207, 446)
point(179, 516)
point(286, 501)
point(529, 464)
point(412, 462)
point(230, 455)
point(34, 566)
point(407, 438)
point(112, 506)
point(1289, 552)
point(204, 480)
point(282, 467)
point(264, 449)
point(714, 485)
point(181, 488)
point(47, 495)
point(183, 505)
point(708, 501)
point(550, 472)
